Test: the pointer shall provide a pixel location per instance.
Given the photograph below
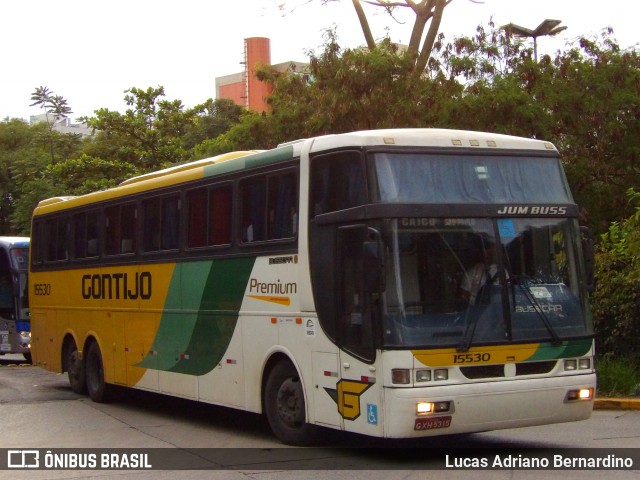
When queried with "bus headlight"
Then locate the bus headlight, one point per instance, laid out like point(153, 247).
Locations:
point(423, 376)
point(441, 374)
point(584, 364)
point(572, 364)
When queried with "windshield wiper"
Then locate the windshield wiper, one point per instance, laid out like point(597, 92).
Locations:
point(524, 282)
point(483, 298)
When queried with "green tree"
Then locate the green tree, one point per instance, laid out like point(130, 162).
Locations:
point(22, 157)
point(586, 100)
point(354, 89)
point(213, 118)
point(149, 134)
point(616, 300)
point(56, 110)
point(427, 16)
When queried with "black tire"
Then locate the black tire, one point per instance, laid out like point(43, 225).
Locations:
point(28, 358)
point(98, 390)
point(285, 406)
point(75, 369)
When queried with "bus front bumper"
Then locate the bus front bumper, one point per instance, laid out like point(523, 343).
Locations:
point(478, 407)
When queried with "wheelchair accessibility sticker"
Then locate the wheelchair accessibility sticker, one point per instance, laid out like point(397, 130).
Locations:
point(372, 414)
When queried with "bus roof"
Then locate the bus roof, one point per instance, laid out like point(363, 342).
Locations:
point(235, 161)
point(429, 137)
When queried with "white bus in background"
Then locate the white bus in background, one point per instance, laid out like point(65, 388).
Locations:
point(15, 329)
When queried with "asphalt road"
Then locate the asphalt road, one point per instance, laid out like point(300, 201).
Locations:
point(39, 411)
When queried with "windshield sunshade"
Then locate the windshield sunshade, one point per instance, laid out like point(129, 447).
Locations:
point(420, 178)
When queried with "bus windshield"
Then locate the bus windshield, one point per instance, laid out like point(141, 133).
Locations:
point(468, 179)
point(465, 281)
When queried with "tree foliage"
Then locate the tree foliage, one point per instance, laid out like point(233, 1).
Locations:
point(616, 299)
point(585, 99)
point(427, 16)
point(150, 133)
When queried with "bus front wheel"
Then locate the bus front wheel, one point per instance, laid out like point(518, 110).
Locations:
point(285, 406)
point(98, 389)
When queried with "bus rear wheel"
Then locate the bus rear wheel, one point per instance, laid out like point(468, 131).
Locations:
point(75, 370)
point(98, 389)
point(285, 406)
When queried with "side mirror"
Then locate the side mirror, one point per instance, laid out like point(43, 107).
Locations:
point(373, 266)
point(588, 252)
point(363, 245)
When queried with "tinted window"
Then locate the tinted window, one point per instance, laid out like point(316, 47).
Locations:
point(337, 182)
point(161, 223)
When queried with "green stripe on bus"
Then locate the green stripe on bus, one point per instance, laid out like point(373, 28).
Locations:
point(251, 161)
point(194, 332)
point(570, 348)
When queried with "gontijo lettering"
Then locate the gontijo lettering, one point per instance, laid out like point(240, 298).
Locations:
point(117, 286)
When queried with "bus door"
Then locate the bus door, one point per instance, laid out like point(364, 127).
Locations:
point(361, 281)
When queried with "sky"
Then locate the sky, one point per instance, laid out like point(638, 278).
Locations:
point(90, 52)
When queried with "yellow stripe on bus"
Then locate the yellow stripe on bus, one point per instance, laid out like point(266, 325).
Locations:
point(286, 301)
point(476, 355)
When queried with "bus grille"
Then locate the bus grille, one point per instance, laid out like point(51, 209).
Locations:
point(497, 371)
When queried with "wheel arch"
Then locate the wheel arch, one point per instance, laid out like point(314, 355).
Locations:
point(273, 359)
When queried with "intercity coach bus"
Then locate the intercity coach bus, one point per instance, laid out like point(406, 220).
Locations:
point(15, 329)
point(395, 283)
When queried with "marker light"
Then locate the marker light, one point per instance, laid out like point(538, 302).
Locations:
point(401, 376)
point(441, 374)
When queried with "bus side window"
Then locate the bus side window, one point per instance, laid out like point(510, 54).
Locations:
point(151, 229)
point(220, 214)
point(196, 218)
point(209, 215)
point(128, 230)
point(282, 205)
point(120, 228)
point(252, 194)
point(337, 182)
point(161, 219)
point(57, 236)
point(170, 223)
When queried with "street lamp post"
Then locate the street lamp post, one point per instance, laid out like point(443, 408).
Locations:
point(548, 28)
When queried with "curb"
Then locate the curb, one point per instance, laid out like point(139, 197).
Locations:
point(616, 404)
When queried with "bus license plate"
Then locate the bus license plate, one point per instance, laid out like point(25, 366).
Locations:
point(432, 423)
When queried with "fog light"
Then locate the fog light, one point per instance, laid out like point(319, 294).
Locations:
point(570, 365)
point(423, 375)
point(441, 374)
point(580, 394)
point(584, 364)
point(400, 376)
point(424, 408)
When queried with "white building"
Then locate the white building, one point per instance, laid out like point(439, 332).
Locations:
point(62, 124)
